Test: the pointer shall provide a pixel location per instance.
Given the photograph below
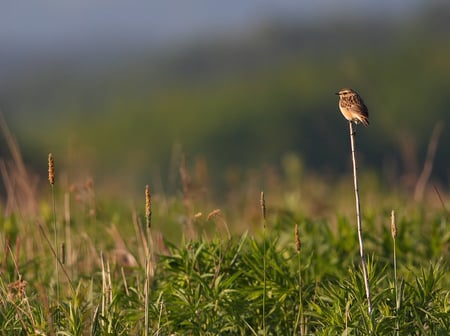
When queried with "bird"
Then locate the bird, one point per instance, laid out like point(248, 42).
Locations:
point(352, 106)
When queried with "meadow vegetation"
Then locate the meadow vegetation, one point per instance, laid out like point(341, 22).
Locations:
point(184, 265)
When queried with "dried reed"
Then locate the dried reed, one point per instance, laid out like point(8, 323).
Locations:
point(20, 185)
point(358, 219)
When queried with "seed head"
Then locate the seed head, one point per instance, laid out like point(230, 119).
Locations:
point(148, 206)
point(298, 243)
point(212, 214)
point(393, 225)
point(263, 205)
point(51, 169)
point(63, 253)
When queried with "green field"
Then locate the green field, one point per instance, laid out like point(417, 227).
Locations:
point(193, 267)
point(209, 125)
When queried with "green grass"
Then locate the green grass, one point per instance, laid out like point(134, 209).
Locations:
point(216, 285)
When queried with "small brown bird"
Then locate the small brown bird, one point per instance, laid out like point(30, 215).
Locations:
point(352, 106)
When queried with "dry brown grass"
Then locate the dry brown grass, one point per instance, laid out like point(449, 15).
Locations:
point(20, 184)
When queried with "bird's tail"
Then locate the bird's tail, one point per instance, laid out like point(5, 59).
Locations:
point(364, 120)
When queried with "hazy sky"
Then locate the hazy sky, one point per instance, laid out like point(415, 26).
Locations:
point(51, 24)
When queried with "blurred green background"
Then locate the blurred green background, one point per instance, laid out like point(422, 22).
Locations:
point(118, 93)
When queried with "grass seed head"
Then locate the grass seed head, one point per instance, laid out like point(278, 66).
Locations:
point(393, 225)
point(263, 205)
point(148, 206)
point(212, 214)
point(51, 169)
point(63, 253)
point(298, 243)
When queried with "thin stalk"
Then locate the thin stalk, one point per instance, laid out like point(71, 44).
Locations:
point(148, 265)
point(125, 283)
point(149, 253)
point(299, 319)
point(160, 299)
point(263, 212)
point(41, 228)
point(103, 306)
point(397, 302)
point(300, 294)
point(51, 179)
point(265, 283)
point(358, 219)
point(55, 243)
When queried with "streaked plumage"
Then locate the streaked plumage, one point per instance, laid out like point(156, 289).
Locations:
point(352, 106)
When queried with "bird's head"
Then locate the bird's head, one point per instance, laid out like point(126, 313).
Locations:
point(345, 92)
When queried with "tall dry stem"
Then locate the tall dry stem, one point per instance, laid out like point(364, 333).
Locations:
point(428, 165)
point(358, 219)
point(51, 180)
point(394, 236)
point(20, 185)
point(148, 261)
point(263, 214)
point(104, 291)
point(53, 250)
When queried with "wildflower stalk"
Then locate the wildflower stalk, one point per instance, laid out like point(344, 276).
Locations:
point(358, 219)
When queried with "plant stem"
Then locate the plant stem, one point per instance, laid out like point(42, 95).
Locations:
point(358, 219)
point(149, 254)
point(299, 320)
point(148, 264)
point(397, 302)
point(263, 211)
point(55, 242)
point(264, 280)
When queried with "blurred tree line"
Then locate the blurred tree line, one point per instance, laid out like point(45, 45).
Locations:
point(245, 101)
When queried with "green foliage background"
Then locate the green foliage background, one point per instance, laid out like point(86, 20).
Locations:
point(246, 101)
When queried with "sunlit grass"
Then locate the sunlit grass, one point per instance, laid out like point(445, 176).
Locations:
point(231, 276)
